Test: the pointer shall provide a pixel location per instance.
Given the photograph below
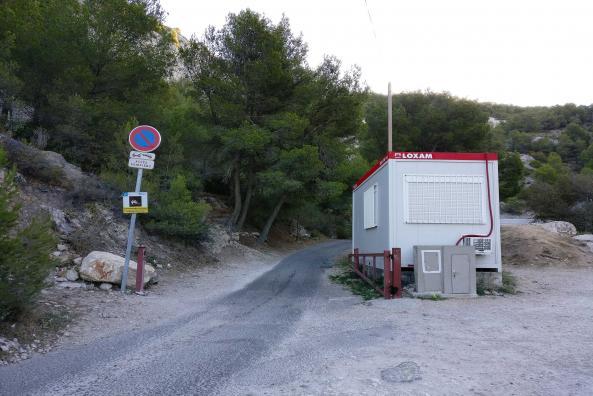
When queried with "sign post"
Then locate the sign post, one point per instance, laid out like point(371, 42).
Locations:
point(143, 139)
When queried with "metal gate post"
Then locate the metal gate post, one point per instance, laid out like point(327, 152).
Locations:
point(140, 269)
point(396, 254)
point(356, 260)
point(386, 275)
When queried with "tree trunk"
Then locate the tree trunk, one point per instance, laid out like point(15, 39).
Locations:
point(266, 230)
point(247, 201)
point(237, 192)
point(212, 112)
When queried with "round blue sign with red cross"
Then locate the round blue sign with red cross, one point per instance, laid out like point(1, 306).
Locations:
point(145, 138)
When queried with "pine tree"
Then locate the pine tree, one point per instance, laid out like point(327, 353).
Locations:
point(25, 260)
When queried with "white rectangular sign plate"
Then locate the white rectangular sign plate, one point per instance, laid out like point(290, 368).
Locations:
point(141, 155)
point(141, 163)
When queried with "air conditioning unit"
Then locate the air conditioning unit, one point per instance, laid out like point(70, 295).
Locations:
point(482, 246)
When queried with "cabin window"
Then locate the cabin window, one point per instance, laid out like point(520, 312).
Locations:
point(431, 261)
point(371, 200)
point(448, 199)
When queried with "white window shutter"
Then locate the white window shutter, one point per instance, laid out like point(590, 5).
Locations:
point(370, 203)
point(444, 199)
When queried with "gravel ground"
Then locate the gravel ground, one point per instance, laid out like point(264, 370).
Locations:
point(291, 331)
point(538, 342)
point(103, 314)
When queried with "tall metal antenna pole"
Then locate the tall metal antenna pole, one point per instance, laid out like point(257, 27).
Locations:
point(389, 120)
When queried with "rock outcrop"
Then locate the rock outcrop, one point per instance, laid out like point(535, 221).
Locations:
point(72, 275)
point(108, 268)
point(53, 169)
point(560, 227)
point(587, 239)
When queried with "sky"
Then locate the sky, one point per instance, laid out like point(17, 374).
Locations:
point(521, 52)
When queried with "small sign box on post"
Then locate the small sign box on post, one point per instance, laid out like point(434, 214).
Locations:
point(135, 202)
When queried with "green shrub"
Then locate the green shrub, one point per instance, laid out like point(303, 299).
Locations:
point(514, 205)
point(509, 283)
point(175, 214)
point(510, 175)
point(535, 164)
point(25, 259)
point(539, 158)
point(433, 297)
point(3, 158)
point(560, 194)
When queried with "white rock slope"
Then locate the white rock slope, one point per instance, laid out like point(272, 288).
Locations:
point(560, 227)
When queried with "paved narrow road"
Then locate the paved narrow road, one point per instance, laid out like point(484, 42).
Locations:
point(192, 355)
point(516, 220)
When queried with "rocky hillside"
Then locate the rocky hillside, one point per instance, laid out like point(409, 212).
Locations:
point(92, 232)
point(87, 213)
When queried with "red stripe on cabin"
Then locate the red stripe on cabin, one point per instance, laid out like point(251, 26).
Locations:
point(425, 156)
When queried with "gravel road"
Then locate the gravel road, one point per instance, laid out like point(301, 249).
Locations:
point(538, 342)
point(193, 354)
point(293, 332)
point(515, 220)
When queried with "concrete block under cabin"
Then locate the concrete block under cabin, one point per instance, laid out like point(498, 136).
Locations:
point(410, 199)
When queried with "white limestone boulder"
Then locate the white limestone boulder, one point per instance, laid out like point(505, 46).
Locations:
point(587, 239)
point(72, 275)
point(108, 268)
point(560, 227)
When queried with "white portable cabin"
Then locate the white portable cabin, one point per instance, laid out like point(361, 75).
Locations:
point(412, 198)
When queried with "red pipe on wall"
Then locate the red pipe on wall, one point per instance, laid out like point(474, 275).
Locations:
point(489, 209)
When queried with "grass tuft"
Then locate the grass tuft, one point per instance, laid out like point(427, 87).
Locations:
point(509, 283)
point(433, 297)
point(348, 278)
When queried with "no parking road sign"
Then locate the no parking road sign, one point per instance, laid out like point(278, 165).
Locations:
point(145, 138)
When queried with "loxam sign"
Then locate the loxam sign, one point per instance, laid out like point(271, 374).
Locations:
point(412, 155)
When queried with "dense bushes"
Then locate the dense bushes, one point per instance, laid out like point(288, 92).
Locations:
point(424, 121)
point(82, 68)
point(560, 139)
point(560, 194)
point(510, 175)
point(176, 214)
point(24, 253)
